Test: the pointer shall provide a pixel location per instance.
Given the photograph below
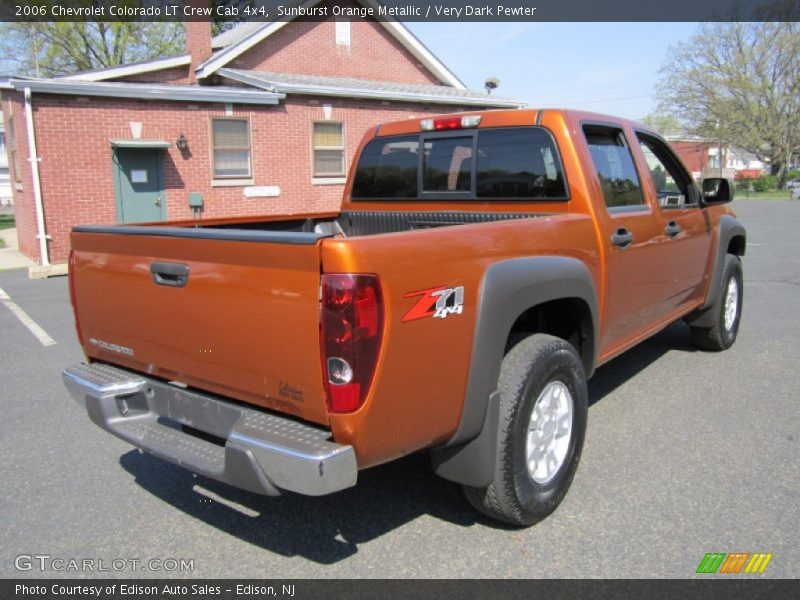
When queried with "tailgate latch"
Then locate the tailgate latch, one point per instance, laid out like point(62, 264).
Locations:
point(171, 274)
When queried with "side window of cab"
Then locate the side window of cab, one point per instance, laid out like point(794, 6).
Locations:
point(613, 162)
point(673, 185)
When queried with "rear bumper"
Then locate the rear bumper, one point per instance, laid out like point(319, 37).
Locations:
point(262, 452)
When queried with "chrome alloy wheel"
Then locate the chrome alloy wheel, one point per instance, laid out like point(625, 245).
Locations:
point(549, 432)
point(731, 303)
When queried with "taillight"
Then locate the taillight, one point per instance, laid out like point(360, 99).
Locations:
point(351, 332)
point(445, 123)
point(71, 277)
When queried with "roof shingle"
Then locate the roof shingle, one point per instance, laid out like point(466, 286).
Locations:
point(288, 83)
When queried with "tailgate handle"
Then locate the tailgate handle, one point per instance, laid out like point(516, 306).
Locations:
point(171, 274)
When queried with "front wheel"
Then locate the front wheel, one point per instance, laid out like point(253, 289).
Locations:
point(543, 411)
point(727, 310)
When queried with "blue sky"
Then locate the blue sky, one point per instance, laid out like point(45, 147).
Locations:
point(602, 67)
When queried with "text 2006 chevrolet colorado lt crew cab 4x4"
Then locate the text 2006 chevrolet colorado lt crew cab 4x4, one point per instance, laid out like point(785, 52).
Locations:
point(481, 268)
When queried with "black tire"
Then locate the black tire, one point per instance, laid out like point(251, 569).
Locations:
point(719, 337)
point(514, 497)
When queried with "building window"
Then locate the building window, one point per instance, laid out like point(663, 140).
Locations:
point(342, 33)
point(230, 146)
point(12, 152)
point(328, 149)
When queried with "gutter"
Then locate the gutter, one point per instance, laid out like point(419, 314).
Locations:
point(148, 91)
point(314, 90)
point(37, 186)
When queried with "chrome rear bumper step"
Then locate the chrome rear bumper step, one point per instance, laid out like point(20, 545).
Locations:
point(257, 451)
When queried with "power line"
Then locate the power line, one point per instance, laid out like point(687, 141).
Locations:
point(610, 99)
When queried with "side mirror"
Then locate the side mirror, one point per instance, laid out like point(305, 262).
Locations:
point(716, 190)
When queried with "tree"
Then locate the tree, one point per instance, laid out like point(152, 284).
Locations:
point(220, 25)
point(665, 124)
point(739, 83)
point(51, 49)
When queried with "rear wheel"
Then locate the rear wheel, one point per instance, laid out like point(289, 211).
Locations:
point(543, 412)
point(727, 310)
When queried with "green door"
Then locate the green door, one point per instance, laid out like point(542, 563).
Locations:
point(139, 185)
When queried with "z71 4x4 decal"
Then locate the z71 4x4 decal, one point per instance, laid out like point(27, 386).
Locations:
point(437, 302)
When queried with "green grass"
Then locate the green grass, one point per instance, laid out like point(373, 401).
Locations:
point(7, 221)
point(769, 195)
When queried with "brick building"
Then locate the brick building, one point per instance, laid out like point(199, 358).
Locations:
point(693, 151)
point(702, 157)
point(263, 119)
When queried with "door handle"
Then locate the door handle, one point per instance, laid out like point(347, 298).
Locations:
point(169, 274)
point(157, 201)
point(622, 238)
point(672, 229)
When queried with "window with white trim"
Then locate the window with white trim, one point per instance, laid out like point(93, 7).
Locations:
point(12, 151)
point(328, 144)
point(230, 147)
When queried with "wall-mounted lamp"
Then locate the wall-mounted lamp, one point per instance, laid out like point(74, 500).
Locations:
point(181, 142)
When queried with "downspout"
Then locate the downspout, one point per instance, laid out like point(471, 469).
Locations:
point(37, 186)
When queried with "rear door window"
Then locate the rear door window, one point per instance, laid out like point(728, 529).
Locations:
point(614, 164)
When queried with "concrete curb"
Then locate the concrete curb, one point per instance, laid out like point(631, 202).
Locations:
point(40, 272)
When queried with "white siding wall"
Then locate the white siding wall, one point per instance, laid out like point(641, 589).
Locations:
point(5, 180)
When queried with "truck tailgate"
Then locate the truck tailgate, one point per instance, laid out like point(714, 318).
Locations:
point(245, 324)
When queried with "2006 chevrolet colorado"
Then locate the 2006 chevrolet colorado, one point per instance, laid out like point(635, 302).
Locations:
point(481, 268)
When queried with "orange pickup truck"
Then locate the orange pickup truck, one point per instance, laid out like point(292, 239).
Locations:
point(481, 268)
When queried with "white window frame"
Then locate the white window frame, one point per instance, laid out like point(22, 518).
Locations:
point(231, 180)
point(317, 177)
point(11, 149)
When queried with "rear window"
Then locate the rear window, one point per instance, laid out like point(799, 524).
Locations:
point(519, 163)
point(388, 168)
point(447, 164)
point(509, 163)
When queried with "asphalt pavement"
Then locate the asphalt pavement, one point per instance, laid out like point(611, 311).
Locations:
point(686, 453)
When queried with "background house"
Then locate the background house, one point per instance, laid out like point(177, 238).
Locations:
point(694, 152)
point(702, 157)
point(743, 164)
point(264, 119)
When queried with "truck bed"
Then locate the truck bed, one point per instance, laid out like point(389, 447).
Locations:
point(227, 307)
